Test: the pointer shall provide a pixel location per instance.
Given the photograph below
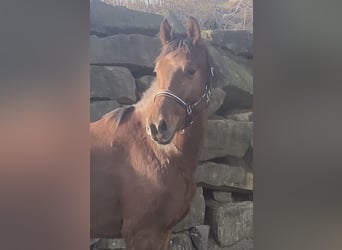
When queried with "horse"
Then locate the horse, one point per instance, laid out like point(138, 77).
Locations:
point(143, 156)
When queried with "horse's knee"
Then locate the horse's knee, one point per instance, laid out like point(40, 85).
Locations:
point(166, 245)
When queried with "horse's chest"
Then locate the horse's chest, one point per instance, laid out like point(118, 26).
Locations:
point(160, 192)
point(176, 198)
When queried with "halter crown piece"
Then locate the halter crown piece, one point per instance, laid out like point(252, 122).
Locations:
point(189, 106)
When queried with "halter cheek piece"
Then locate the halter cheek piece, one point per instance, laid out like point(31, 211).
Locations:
point(189, 107)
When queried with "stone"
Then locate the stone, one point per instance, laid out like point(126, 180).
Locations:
point(216, 99)
point(234, 76)
point(241, 116)
point(238, 42)
point(236, 99)
point(181, 241)
point(99, 108)
point(230, 72)
point(106, 20)
point(93, 242)
point(230, 222)
point(227, 138)
point(222, 196)
point(248, 158)
point(246, 63)
point(131, 51)
point(216, 117)
point(196, 213)
point(142, 84)
point(176, 24)
point(199, 236)
point(245, 244)
point(115, 83)
point(222, 177)
point(111, 244)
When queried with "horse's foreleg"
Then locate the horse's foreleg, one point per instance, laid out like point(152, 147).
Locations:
point(167, 242)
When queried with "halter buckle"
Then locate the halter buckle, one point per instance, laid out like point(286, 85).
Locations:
point(212, 71)
point(207, 94)
point(189, 109)
point(207, 98)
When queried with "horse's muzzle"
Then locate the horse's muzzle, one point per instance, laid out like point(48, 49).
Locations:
point(160, 133)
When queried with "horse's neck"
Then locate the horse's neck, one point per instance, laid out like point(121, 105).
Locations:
point(192, 139)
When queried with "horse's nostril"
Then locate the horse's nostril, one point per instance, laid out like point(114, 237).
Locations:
point(153, 129)
point(162, 127)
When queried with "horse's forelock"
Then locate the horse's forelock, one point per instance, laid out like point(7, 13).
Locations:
point(175, 44)
point(184, 43)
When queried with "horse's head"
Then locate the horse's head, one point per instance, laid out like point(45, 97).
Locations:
point(182, 82)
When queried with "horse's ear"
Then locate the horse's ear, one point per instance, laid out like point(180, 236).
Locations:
point(166, 33)
point(194, 31)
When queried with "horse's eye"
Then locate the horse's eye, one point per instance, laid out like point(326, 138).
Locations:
point(190, 71)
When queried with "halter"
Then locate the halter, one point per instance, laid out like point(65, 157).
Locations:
point(189, 107)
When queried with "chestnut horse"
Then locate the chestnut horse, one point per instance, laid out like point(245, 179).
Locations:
point(143, 157)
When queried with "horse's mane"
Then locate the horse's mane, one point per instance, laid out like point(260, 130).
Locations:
point(118, 115)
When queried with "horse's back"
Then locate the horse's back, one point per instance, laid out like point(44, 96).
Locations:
point(106, 160)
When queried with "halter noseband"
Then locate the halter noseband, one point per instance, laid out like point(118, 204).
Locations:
point(189, 106)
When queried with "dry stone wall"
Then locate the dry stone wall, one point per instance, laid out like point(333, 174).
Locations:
point(123, 46)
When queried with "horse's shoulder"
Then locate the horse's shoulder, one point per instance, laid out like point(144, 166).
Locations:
point(119, 115)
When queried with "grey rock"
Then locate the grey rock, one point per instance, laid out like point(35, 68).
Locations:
point(111, 244)
point(230, 72)
point(239, 42)
point(246, 63)
point(106, 20)
point(99, 108)
point(199, 236)
point(93, 242)
point(181, 241)
point(245, 244)
point(216, 99)
point(216, 117)
point(234, 76)
point(125, 50)
point(230, 222)
point(227, 138)
point(248, 158)
point(222, 196)
point(223, 177)
point(115, 83)
point(176, 24)
point(196, 214)
point(241, 116)
point(236, 99)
